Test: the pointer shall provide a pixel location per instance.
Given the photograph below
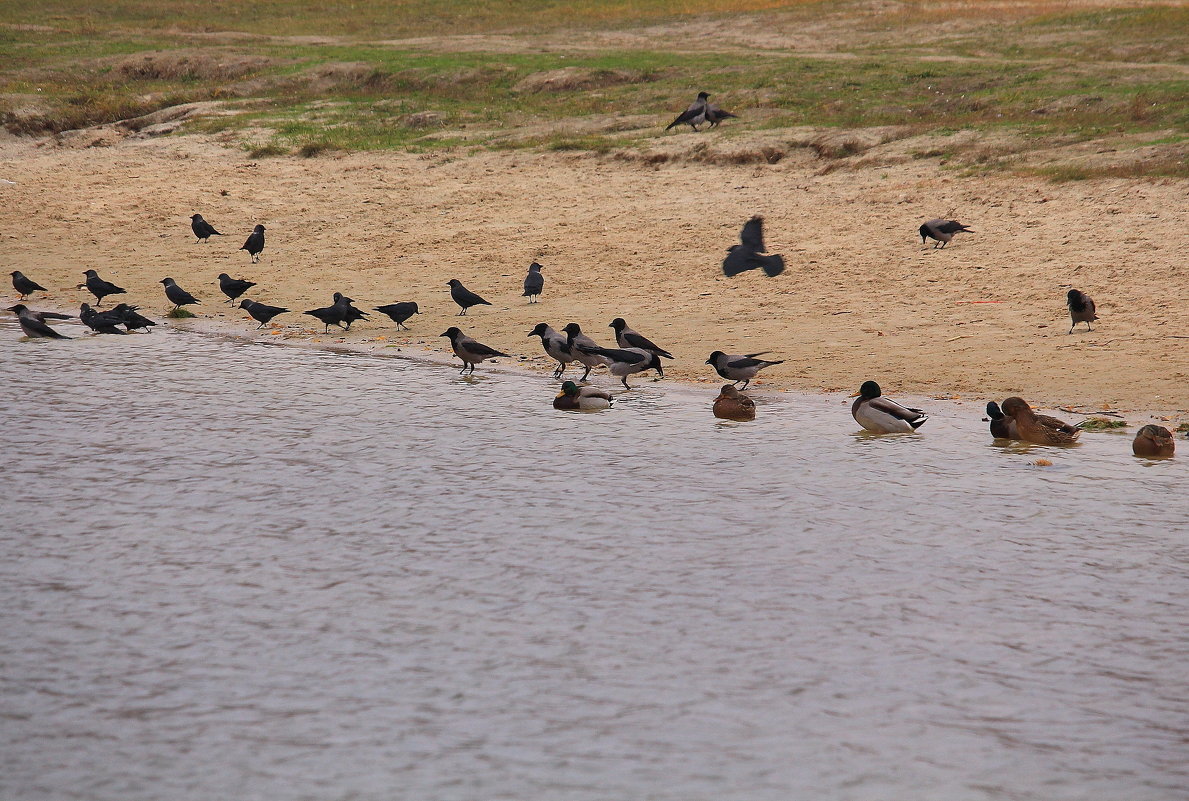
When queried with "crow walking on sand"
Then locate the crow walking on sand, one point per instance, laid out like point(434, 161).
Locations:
point(399, 312)
point(255, 243)
point(534, 282)
point(233, 287)
point(260, 312)
point(464, 297)
point(100, 288)
point(1081, 309)
point(202, 229)
point(25, 286)
point(941, 230)
point(177, 296)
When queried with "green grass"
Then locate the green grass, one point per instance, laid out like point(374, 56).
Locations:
point(1039, 77)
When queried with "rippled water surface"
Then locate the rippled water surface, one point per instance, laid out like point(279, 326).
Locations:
point(240, 571)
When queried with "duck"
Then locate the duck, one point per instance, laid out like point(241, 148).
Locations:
point(1153, 442)
point(1001, 426)
point(1039, 429)
point(731, 404)
point(586, 399)
point(883, 415)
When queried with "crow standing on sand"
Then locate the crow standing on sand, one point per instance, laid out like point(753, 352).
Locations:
point(233, 287)
point(626, 361)
point(748, 255)
point(467, 349)
point(941, 230)
point(554, 345)
point(1081, 309)
point(255, 243)
point(534, 282)
point(399, 312)
point(260, 312)
point(627, 338)
point(576, 344)
point(464, 297)
point(329, 315)
point(741, 367)
point(25, 286)
point(350, 313)
point(100, 288)
point(177, 296)
point(202, 229)
point(694, 115)
point(33, 325)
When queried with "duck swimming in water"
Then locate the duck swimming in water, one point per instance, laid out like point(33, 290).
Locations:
point(1001, 426)
point(883, 415)
point(586, 399)
point(731, 404)
point(1038, 428)
point(1153, 442)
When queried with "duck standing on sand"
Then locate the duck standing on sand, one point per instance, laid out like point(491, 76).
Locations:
point(586, 399)
point(1001, 426)
point(883, 415)
point(731, 404)
point(1038, 428)
point(1153, 442)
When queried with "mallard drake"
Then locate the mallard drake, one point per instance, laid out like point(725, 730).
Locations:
point(1001, 427)
point(1038, 428)
point(731, 404)
point(1153, 442)
point(883, 415)
point(586, 399)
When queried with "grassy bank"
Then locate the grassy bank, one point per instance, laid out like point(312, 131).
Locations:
point(555, 81)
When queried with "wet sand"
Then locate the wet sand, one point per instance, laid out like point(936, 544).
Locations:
point(861, 298)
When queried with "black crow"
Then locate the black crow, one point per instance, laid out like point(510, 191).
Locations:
point(534, 282)
point(260, 312)
point(131, 317)
point(177, 296)
point(233, 287)
point(748, 255)
point(350, 313)
point(202, 229)
point(25, 286)
point(100, 288)
point(255, 243)
point(715, 115)
point(100, 322)
point(399, 312)
point(331, 315)
point(464, 297)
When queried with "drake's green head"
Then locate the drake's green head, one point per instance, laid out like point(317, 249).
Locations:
point(569, 388)
point(869, 390)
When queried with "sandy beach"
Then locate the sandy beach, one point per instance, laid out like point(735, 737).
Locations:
point(861, 298)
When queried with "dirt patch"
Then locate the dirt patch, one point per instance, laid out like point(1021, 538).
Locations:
point(572, 79)
point(187, 65)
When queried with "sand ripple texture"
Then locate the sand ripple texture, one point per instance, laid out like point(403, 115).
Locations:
point(235, 570)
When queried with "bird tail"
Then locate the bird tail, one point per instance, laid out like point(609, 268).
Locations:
point(920, 421)
point(774, 265)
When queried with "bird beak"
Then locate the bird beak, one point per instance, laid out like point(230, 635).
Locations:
point(854, 395)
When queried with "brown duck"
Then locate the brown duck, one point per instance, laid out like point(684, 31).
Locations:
point(1153, 442)
point(1038, 428)
point(731, 404)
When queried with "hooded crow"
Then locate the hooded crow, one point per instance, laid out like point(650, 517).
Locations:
point(131, 317)
point(260, 312)
point(100, 288)
point(255, 243)
point(694, 114)
point(626, 361)
point(202, 229)
point(941, 230)
point(25, 286)
point(715, 115)
point(33, 325)
point(534, 282)
point(627, 338)
point(1081, 309)
point(467, 349)
point(399, 312)
point(554, 345)
point(100, 322)
point(743, 367)
point(883, 415)
point(575, 341)
point(464, 297)
point(233, 287)
point(748, 255)
point(177, 296)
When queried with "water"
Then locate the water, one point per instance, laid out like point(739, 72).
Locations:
point(236, 570)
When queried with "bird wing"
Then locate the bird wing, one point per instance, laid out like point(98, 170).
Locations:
point(889, 406)
point(951, 227)
point(753, 235)
point(478, 348)
point(615, 354)
point(635, 340)
point(33, 324)
point(43, 316)
point(745, 362)
point(753, 355)
point(693, 110)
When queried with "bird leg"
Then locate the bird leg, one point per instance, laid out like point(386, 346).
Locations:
point(461, 313)
point(585, 375)
point(625, 379)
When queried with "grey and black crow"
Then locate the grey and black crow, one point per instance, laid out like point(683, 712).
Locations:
point(748, 255)
point(467, 349)
point(555, 347)
point(1081, 309)
point(694, 115)
point(941, 230)
point(739, 367)
point(575, 341)
point(33, 325)
point(625, 361)
point(627, 338)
